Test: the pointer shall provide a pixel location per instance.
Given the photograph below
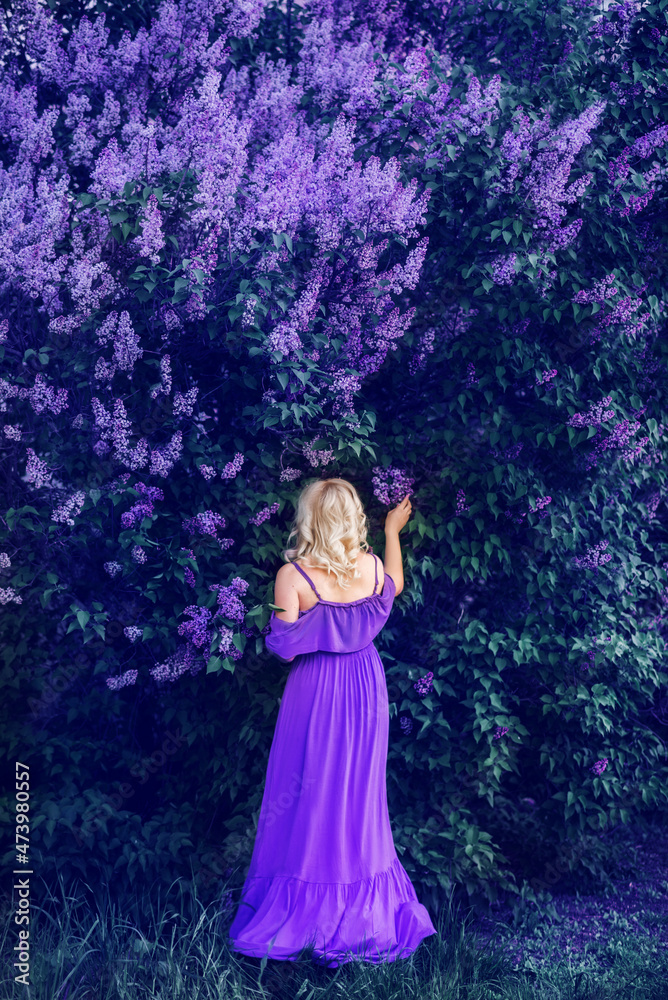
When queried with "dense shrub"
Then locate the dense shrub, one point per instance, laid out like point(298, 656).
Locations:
point(243, 246)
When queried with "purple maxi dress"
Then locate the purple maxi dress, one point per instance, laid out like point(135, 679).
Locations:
point(324, 869)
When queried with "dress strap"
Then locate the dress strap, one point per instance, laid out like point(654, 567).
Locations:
point(375, 563)
point(306, 577)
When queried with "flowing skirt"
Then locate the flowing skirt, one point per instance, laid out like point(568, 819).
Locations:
point(324, 869)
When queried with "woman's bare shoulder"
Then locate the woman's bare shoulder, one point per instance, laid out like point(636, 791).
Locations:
point(288, 572)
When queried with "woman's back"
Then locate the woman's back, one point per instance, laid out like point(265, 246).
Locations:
point(332, 626)
point(326, 584)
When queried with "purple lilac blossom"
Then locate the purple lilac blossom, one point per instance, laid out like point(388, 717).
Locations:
point(264, 514)
point(317, 457)
point(9, 595)
point(391, 485)
point(232, 468)
point(205, 523)
point(152, 240)
point(424, 684)
point(229, 605)
point(196, 630)
point(600, 766)
point(164, 459)
point(123, 680)
point(70, 509)
point(44, 397)
point(185, 659)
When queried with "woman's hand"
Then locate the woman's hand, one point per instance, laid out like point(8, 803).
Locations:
point(398, 517)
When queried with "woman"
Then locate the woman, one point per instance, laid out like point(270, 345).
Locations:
point(324, 869)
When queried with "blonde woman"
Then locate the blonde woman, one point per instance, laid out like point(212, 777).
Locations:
point(324, 870)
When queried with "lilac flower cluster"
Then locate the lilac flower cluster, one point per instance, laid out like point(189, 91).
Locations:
point(5, 561)
point(196, 629)
point(234, 467)
point(115, 431)
point(406, 724)
point(12, 431)
point(37, 471)
point(113, 568)
point(138, 554)
point(594, 416)
point(344, 386)
point(620, 437)
point(499, 732)
point(418, 359)
point(9, 595)
point(591, 656)
point(229, 605)
point(546, 172)
point(600, 766)
point(624, 13)
point(424, 684)
point(540, 503)
point(601, 290)
point(119, 484)
point(652, 503)
point(184, 660)
point(503, 269)
point(165, 385)
point(289, 474)
point(151, 240)
point(133, 633)
point(208, 472)
point(123, 680)
point(315, 456)
point(144, 507)
point(264, 514)
point(44, 397)
point(594, 557)
point(391, 485)
point(226, 644)
point(70, 509)
point(205, 523)
point(184, 404)
point(624, 313)
point(547, 376)
point(7, 391)
point(461, 507)
point(471, 379)
point(164, 459)
point(189, 577)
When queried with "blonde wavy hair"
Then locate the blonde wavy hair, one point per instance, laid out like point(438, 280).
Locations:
point(330, 525)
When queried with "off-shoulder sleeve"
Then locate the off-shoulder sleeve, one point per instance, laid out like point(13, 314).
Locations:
point(288, 639)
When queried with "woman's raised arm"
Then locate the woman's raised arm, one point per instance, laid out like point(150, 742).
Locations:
point(394, 522)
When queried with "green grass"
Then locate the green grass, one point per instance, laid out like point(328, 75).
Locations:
point(85, 946)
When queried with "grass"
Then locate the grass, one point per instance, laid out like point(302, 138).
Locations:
point(86, 946)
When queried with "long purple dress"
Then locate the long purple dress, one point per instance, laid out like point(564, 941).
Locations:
point(324, 869)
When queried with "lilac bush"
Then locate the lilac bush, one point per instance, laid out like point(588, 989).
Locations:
point(416, 246)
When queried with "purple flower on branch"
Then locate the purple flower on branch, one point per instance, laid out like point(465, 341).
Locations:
point(264, 514)
point(196, 629)
point(391, 485)
point(123, 680)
